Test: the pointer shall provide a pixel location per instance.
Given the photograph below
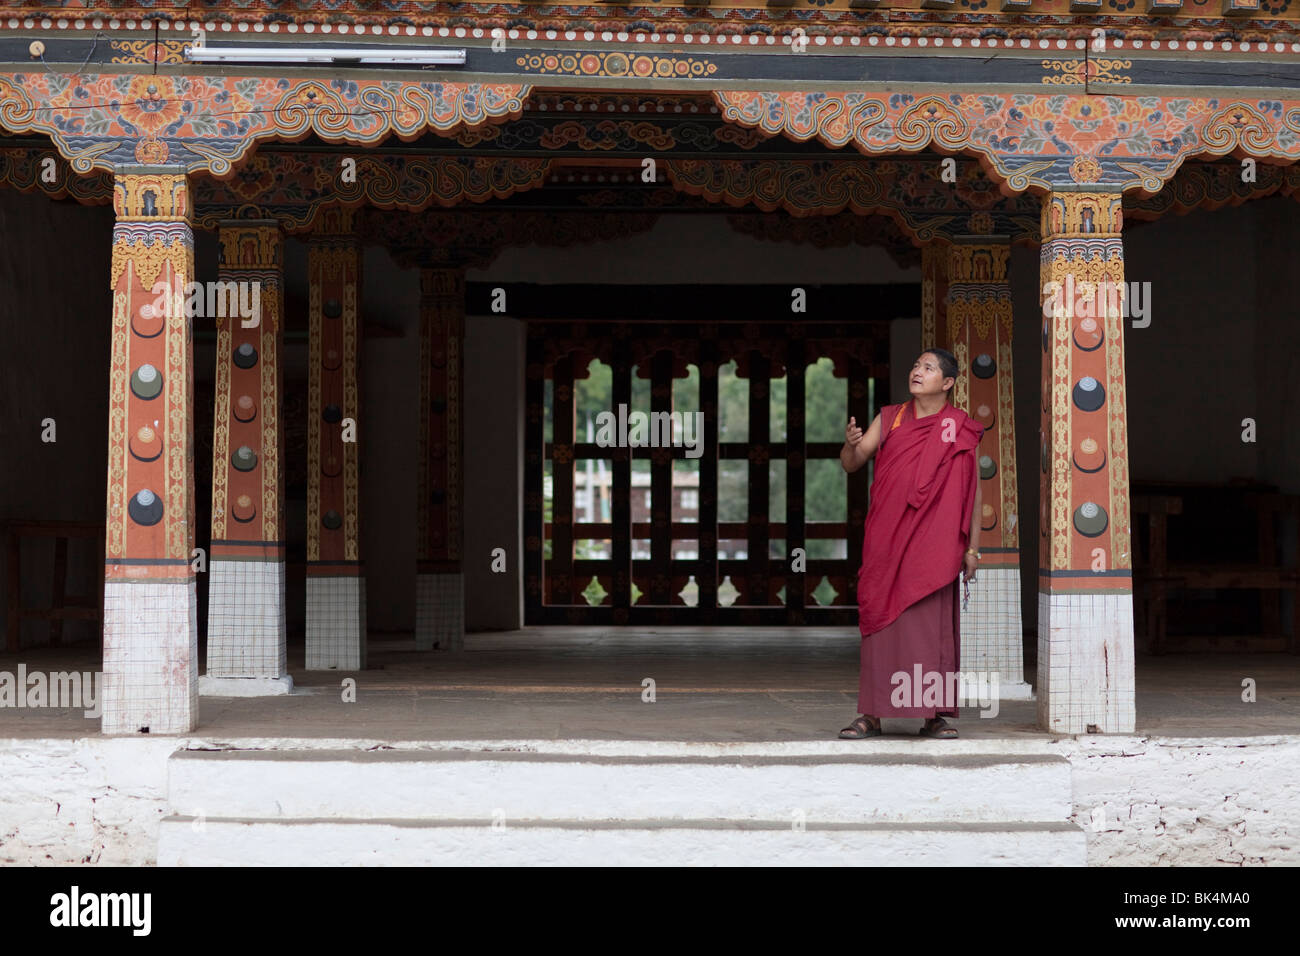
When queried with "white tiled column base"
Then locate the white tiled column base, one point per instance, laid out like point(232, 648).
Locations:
point(246, 629)
point(992, 639)
point(151, 654)
point(439, 611)
point(336, 623)
point(1085, 663)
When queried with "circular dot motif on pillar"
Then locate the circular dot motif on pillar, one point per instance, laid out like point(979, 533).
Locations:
point(332, 414)
point(245, 409)
point(244, 459)
point(1089, 456)
point(984, 415)
point(146, 382)
point(332, 308)
point(438, 405)
point(1046, 334)
point(1088, 335)
point(332, 520)
point(984, 366)
point(1088, 394)
point(1043, 452)
point(988, 518)
point(1090, 519)
point(245, 356)
point(988, 467)
point(330, 467)
point(331, 360)
point(144, 445)
point(149, 321)
point(438, 496)
point(145, 508)
point(243, 509)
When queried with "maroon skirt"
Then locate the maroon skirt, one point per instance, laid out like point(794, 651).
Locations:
point(912, 661)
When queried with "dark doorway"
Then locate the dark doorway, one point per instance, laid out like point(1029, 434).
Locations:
point(739, 514)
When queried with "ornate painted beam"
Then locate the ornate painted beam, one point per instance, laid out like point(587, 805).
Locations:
point(42, 169)
point(656, 26)
point(1029, 141)
point(914, 194)
point(293, 188)
point(1213, 186)
point(1039, 140)
point(460, 238)
point(298, 186)
point(828, 232)
point(205, 123)
point(853, 54)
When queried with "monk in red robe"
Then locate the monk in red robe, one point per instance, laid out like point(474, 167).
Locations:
point(921, 523)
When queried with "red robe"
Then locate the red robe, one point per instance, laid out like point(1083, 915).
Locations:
point(919, 516)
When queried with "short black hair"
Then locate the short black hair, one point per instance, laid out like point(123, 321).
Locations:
point(947, 361)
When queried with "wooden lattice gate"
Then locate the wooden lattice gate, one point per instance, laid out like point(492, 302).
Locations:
point(739, 571)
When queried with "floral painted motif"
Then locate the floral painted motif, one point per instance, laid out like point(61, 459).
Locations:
point(1134, 142)
point(207, 123)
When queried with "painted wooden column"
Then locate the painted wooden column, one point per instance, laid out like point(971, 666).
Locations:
point(440, 580)
point(934, 294)
point(150, 624)
point(246, 587)
point(1085, 593)
point(336, 585)
point(977, 330)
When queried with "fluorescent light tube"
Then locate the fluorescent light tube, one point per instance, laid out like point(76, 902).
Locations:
point(306, 54)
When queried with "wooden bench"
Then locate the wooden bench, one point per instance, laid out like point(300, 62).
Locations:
point(62, 605)
point(1154, 577)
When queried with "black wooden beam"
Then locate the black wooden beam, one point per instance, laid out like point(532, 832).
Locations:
point(560, 587)
point(707, 574)
point(659, 589)
point(620, 506)
point(755, 589)
point(534, 534)
point(757, 303)
point(796, 465)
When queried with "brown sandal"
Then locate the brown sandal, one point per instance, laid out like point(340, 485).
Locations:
point(938, 728)
point(861, 728)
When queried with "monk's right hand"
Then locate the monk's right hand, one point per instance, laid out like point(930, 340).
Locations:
point(852, 433)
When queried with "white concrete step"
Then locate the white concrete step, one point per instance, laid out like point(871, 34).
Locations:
point(191, 841)
point(512, 787)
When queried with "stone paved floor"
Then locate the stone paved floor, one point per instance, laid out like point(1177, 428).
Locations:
point(713, 684)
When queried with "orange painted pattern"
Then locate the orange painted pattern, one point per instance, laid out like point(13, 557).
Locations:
point(150, 509)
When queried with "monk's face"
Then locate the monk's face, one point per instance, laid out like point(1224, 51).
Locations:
point(926, 377)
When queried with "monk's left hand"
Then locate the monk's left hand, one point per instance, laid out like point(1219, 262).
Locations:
point(972, 563)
